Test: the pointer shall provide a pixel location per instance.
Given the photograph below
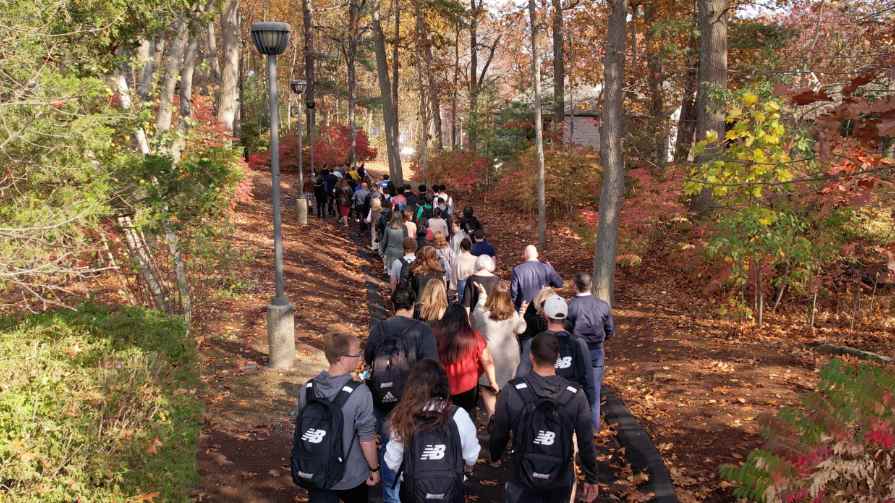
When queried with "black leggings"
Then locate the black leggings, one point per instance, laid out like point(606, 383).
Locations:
point(355, 495)
point(467, 400)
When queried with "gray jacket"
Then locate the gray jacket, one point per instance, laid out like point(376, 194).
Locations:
point(358, 415)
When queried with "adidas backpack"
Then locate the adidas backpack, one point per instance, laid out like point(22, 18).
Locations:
point(543, 439)
point(318, 458)
point(433, 463)
point(391, 364)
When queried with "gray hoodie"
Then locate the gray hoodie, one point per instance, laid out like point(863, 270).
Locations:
point(358, 414)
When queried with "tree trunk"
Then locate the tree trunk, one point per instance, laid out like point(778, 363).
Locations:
point(433, 93)
point(559, 68)
point(424, 77)
point(352, 76)
point(655, 81)
point(472, 123)
point(712, 77)
point(396, 76)
point(228, 99)
point(571, 92)
point(186, 90)
point(385, 88)
point(211, 45)
point(455, 89)
point(183, 285)
point(539, 125)
point(686, 124)
point(613, 190)
point(172, 62)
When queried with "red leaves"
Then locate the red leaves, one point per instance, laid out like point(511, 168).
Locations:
point(881, 434)
point(331, 148)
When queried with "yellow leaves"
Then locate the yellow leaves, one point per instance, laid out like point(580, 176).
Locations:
point(750, 99)
point(758, 155)
point(150, 497)
point(772, 106)
point(767, 219)
point(711, 136)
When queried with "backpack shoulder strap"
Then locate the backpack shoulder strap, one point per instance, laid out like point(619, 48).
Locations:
point(345, 393)
point(523, 387)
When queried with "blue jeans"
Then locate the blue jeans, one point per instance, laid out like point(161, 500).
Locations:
point(599, 368)
point(390, 490)
point(461, 286)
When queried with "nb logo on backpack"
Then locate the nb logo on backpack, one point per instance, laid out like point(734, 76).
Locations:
point(313, 436)
point(545, 438)
point(433, 452)
point(563, 362)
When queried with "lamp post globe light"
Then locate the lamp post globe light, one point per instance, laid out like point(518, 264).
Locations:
point(301, 200)
point(271, 39)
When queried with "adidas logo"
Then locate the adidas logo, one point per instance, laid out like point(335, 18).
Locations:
point(313, 436)
point(389, 398)
point(545, 438)
point(563, 362)
point(433, 452)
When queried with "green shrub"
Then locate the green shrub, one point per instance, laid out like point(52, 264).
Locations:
point(838, 446)
point(97, 405)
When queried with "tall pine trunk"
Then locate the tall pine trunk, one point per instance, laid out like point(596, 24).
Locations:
point(385, 90)
point(712, 77)
point(559, 68)
point(455, 88)
point(472, 122)
point(613, 190)
point(396, 76)
point(228, 99)
point(539, 124)
point(655, 80)
point(353, 15)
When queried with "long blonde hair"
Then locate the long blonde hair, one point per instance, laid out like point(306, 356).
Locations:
point(499, 304)
point(433, 301)
point(542, 297)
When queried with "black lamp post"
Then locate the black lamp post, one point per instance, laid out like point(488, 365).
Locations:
point(301, 202)
point(271, 39)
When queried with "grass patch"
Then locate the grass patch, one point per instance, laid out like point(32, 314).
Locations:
point(97, 405)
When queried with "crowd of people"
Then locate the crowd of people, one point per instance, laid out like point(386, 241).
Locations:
point(460, 337)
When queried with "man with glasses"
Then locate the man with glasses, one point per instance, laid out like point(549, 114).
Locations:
point(361, 468)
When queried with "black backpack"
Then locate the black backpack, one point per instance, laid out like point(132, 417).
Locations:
point(433, 462)
point(318, 459)
point(406, 276)
point(567, 364)
point(542, 440)
point(391, 364)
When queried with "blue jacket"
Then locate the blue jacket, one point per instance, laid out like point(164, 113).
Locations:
point(528, 279)
point(483, 248)
point(591, 319)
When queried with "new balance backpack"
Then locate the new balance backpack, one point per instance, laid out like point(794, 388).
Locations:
point(318, 457)
point(543, 439)
point(391, 364)
point(567, 365)
point(433, 463)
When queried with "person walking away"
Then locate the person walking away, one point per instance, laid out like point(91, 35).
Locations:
point(530, 276)
point(410, 224)
point(543, 410)
point(385, 183)
point(426, 268)
point(590, 319)
point(441, 193)
point(399, 201)
point(433, 302)
point(320, 193)
point(499, 324)
point(465, 356)
point(535, 321)
point(411, 198)
point(423, 214)
point(457, 237)
point(336, 416)
point(331, 182)
point(464, 267)
point(399, 272)
point(573, 363)
point(480, 245)
point(437, 224)
point(344, 196)
point(446, 257)
point(392, 243)
point(468, 222)
point(359, 202)
point(484, 275)
point(393, 348)
point(372, 219)
point(433, 441)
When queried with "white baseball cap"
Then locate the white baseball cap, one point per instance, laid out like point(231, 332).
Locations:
point(556, 308)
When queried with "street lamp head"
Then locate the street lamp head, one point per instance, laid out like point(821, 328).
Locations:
point(298, 86)
point(271, 38)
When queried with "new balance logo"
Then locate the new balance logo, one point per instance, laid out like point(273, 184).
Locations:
point(545, 438)
point(433, 452)
point(313, 436)
point(563, 362)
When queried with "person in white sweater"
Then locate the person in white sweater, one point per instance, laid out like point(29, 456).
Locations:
point(500, 325)
point(464, 266)
point(429, 395)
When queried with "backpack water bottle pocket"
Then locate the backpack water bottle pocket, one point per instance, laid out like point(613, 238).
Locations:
point(543, 471)
point(438, 487)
